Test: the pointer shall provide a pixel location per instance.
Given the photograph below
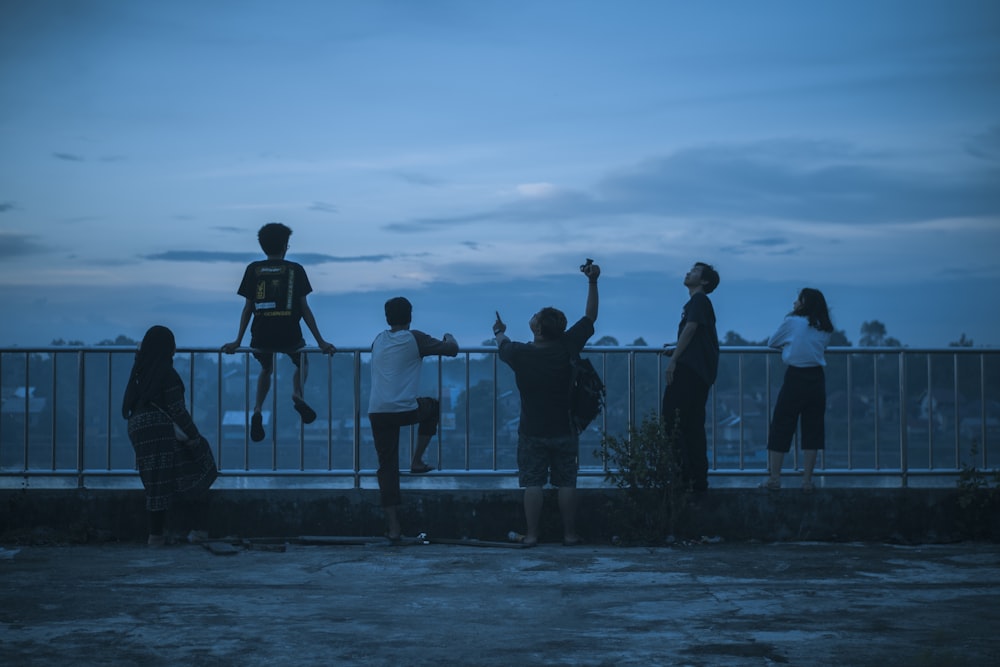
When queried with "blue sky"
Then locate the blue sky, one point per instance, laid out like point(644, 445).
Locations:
point(469, 155)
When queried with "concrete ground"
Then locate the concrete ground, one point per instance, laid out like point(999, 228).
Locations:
point(373, 604)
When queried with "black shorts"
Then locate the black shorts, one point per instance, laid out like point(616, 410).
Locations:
point(266, 358)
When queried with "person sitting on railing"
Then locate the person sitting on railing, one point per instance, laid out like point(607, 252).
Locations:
point(275, 291)
point(802, 339)
point(548, 444)
point(175, 462)
point(393, 403)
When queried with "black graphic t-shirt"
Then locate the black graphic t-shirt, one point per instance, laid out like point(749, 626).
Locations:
point(276, 288)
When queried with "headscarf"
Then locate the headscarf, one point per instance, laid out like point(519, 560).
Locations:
point(152, 369)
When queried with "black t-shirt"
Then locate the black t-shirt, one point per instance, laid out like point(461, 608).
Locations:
point(702, 353)
point(276, 288)
point(543, 378)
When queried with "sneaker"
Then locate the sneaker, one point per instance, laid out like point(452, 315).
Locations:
point(308, 414)
point(256, 427)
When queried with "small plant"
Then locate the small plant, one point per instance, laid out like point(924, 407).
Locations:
point(979, 495)
point(646, 465)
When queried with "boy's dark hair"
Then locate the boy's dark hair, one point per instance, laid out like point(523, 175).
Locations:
point(551, 322)
point(812, 305)
point(273, 238)
point(398, 311)
point(709, 276)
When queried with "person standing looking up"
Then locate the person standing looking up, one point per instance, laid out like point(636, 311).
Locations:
point(275, 291)
point(694, 363)
point(802, 339)
point(548, 443)
point(393, 403)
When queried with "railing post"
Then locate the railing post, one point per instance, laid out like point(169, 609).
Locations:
point(357, 420)
point(81, 422)
point(904, 459)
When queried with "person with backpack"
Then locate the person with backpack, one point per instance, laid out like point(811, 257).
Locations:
point(548, 438)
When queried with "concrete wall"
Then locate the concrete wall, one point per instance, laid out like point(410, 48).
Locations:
point(893, 515)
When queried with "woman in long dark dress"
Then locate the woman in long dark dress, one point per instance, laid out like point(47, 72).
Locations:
point(175, 470)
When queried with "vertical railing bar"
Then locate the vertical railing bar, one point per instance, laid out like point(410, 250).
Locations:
point(55, 405)
point(220, 411)
point(246, 411)
point(982, 408)
point(631, 392)
point(715, 440)
point(958, 435)
point(329, 412)
point(302, 427)
point(81, 422)
point(767, 400)
point(108, 426)
point(848, 358)
point(27, 408)
point(904, 454)
point(496, 408)
point(739, 402)
point(604, 375)
point(274, 413)
point(878, 411)
point(930, 415)
point(468, 410)
point(357, 420)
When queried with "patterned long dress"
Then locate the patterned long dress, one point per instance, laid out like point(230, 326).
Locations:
point(170, 469)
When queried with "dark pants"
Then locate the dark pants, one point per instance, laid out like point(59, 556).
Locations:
point(802, 396)
point(684, 402)
point(385, 432)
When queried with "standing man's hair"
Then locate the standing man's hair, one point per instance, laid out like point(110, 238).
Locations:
point(709, 276)
point(398, 311)
point(273, 238)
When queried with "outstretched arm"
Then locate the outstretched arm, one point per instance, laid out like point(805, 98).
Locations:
point(310, 320)
point(229, 348)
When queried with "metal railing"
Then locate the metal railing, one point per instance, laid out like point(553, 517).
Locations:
point(895, 416)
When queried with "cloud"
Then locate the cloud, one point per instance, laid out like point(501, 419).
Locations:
point(18, 245)
point(69, 157)
point(323, 207)
point(794, 180)
point(986, 145)
point(211, 256)
point(7, 206)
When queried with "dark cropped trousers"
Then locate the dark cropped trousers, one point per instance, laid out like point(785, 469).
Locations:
point(802, 398)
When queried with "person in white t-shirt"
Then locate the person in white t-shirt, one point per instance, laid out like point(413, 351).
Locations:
point(395, 367)
point(802, 339)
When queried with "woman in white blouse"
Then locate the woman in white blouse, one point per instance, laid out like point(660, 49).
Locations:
point(802, 339)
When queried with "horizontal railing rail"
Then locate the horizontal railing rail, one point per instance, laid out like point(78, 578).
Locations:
point(895, 416)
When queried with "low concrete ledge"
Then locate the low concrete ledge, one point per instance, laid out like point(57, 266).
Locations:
point(871, 515)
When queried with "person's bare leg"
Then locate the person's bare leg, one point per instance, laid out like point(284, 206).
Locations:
point(299, 377)
point(263, 386)
point(774, 461)
point(567, 509)
point(808, 465)
point(417, 462)
point(533, 499)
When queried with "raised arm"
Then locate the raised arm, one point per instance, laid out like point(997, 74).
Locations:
point(592, 271)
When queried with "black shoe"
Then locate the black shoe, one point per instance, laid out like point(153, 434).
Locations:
point(256, 427)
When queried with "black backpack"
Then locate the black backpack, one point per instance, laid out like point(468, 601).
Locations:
point(586, 393)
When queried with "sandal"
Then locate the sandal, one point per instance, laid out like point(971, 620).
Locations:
point(421, 469)
point(770, 485)
point(308, 414)
point(808, 487)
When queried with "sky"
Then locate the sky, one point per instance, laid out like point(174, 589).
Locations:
point(471, 155)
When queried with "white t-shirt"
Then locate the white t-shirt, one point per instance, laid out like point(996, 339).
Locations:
point(800, 344)
point(396, 363)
